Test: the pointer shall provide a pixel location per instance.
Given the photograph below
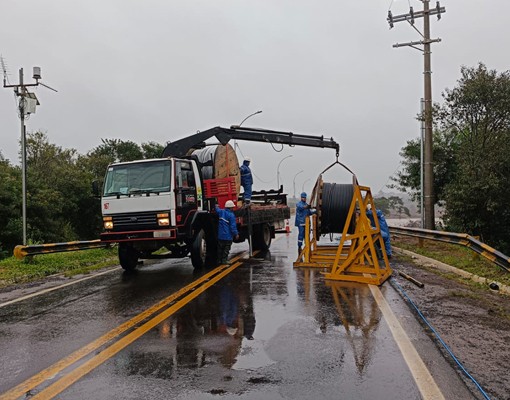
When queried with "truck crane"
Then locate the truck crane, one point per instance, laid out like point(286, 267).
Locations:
point(148, 205)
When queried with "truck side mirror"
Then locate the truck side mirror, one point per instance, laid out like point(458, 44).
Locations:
point(95, 188)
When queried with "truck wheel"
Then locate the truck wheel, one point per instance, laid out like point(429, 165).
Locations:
point(128, 256)
point(262, 237)
point(199, 250)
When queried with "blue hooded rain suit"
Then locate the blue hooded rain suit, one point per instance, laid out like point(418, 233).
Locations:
point(302, 211)
point(246, 180)
point(227, 231)
point(385, 230)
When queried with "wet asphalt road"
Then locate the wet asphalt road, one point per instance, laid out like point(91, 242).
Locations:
point(265, 331)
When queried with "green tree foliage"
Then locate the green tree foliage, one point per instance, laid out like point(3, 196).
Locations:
point(152, 150)
point(477, 111)
point(115, 150)
point(471, 147)
point(60, 205)
point(59, 202)
point(383, 204)
point(408, 179)
point(10, 206)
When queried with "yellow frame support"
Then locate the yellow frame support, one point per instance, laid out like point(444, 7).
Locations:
point(354, 262)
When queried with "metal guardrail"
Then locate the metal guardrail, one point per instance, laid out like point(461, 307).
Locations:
point(22, 251)
point(463, 239)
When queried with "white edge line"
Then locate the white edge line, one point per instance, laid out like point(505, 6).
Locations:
point(28, 296)
point(424, 380)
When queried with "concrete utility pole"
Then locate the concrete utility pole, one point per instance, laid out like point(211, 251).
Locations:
point(428, 184)
point(27, 105)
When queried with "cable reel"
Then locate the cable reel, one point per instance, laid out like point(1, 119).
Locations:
point(332, 202)
point(341, 208)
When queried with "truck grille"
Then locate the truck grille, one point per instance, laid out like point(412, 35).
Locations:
point(145, 220)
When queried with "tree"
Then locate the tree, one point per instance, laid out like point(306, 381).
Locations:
point(477, 112)
point(396, 204)
point(10, 207)
point(408, 179)
point(471, 147)
point(383, 204)
point(60, 206)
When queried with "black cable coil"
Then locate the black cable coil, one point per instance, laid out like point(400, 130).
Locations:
point(334, 208)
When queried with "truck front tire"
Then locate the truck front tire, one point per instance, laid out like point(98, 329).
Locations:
point(128, 256)
point(199, 251)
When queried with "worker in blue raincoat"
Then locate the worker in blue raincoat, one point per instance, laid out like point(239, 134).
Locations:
point(227, 231)
point(246, 179)
point(385, 230)
point(303, 210)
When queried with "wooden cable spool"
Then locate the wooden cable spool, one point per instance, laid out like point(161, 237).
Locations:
point(222, 163)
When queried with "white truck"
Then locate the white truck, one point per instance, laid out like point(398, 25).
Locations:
point(169, 203)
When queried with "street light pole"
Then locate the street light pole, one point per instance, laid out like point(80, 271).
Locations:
point(278, 171)
point(303, 186)
point(23, 155)
point(294, 182)
point(251, 115)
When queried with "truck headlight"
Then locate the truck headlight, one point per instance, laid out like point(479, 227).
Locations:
point(163, 219)
point(108, 222)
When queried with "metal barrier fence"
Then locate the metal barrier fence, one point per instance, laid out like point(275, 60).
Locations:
point(463, 239)
point(21, 251)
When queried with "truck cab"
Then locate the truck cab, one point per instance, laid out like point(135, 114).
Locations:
point(149, 204)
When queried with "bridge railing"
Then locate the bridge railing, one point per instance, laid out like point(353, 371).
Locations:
point(22, 251)
point(463, 239)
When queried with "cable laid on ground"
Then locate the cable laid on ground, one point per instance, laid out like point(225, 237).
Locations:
point(401, 290)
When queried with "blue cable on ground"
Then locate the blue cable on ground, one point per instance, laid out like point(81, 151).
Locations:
point(393, 281)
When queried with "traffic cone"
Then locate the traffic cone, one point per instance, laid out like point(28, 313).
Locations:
point(287, 226)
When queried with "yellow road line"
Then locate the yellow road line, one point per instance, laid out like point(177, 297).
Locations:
point(67, 380)
point(424, 380)
point(52, 370)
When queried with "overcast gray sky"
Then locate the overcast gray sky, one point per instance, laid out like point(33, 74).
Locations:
point(159, 70)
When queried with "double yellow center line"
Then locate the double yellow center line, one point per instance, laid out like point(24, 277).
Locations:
point(191, 291)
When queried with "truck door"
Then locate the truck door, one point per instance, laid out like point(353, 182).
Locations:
point(185, 191)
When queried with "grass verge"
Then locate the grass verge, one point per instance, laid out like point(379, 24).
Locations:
point(455, 255)
point(13, 271)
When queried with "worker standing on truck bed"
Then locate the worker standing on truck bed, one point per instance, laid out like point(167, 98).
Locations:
point(246, 180)
point(227, 231)
point(302, 211)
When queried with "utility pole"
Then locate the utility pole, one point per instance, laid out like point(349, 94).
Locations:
point(422, 137)
point(428, 184)
point(27, 105)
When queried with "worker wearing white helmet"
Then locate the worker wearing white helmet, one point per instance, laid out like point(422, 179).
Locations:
point(246, 180)
point(227, 230)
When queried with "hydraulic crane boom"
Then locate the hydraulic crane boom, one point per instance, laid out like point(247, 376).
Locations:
point(180, 148)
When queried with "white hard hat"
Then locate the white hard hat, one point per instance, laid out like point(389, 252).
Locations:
point(229, 204)
point(247, 159)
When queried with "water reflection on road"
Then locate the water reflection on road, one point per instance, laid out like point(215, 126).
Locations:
point(343, 307)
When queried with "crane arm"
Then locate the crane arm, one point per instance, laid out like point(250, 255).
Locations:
point(181, 147)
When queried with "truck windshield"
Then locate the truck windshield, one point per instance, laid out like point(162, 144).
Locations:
point(130, 179)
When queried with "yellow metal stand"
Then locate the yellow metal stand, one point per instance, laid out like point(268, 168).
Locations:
point(355, 258)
